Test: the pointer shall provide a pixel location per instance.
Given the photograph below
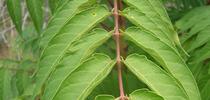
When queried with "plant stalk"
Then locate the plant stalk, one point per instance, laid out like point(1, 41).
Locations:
point(118, 54)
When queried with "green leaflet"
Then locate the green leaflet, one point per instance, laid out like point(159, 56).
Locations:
point(55, 4)
point(151, 7)
point(104, 97)
point(73, 58)
point(202, 37)
point(36, 12)
point(194, 22)
point(85, 78)
point(206, 91)
point(203, 77)
point(14, 9)
point(147, 24)
point(6, 89)
point(60, 18)
point(143, 94)
point(192, 18)
point(133, 83)
point(24, 76)
point(167, 57)
point(108, 86)
point(59, 45)
point(156, 78)
point(196, 36)
point(5, 85)
point(153, 17)
point(201, 54)
point(202, 25)
point(142, 21)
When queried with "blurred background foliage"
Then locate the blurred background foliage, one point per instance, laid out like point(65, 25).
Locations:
point(19, 48)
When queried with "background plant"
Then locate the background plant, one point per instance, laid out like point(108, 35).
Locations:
point(98, 49)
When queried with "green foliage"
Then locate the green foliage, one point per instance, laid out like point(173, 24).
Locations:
point(194, 34)
point(155, 77)
point(145, 95)
point(76, 55)
point(73, 57)
point(36, 12)
point(60, 44)
point(14, 9)
point(92, 71)
point(167, 57)
point(104, 97)
point(178, 8)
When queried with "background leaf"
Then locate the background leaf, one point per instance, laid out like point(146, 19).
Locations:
point(35, 8)
point(14, 9)
point(55, 4)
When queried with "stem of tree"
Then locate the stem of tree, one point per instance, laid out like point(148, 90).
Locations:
point(118, 54)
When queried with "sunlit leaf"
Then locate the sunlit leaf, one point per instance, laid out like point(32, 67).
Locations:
point(72, 60)
point(61, 17)
point(156, 78)
point(79, 84)
point(59, 45)
point(166, 57)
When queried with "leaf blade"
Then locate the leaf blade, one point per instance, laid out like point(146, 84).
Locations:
point(14, 9)
point(36, 12)
point(82, 81)
point(54, 4)
point(152, 16)
point(166, 57)
point(76, 27)
point(154, 13)
point(59, 19)
point(150, 73)
point(144, 95)
point(82, 49)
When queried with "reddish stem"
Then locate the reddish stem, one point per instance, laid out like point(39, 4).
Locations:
point(122, 25)
point(117, 40)
point(121, 18)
